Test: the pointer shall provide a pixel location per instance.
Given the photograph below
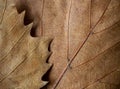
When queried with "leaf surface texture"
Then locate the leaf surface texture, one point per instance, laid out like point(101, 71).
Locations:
point(86, 45)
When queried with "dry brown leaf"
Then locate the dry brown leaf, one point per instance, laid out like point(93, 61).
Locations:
point(86, 45)
point(22, 57)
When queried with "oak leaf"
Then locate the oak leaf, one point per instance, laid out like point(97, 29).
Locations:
point(22, 57)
